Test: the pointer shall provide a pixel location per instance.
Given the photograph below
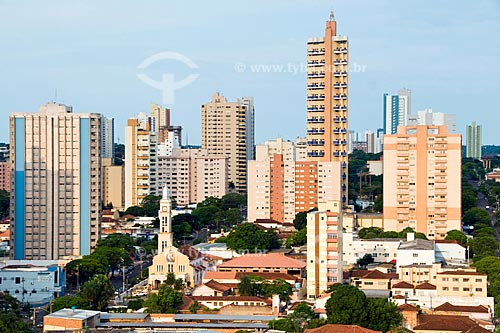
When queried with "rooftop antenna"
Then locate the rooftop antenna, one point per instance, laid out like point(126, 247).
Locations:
point(332, 18)
point(55, 95)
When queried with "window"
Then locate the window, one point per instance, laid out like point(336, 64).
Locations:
point(466, 280)
point(18, 280)
point(415, 255)
point(466, 289)
point(455, 288)
point(445, 288)
point(479, 289)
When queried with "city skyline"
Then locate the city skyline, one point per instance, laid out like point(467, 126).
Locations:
point(93, 63)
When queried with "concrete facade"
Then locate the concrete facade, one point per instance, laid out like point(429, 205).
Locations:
point(192, 175)
point(140, 160)
point(5, 176)
point(324, 248)
point(422, 180)
point(56, 205)
point(227, 130)
point(327, 99)
point(113, 184)
point(474, 141)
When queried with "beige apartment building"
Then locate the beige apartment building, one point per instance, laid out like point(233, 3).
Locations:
point(5, 176)
point(279, 189)
point(422, 180)
point(228, 131)
point(324, 239)
point(327, 99)
point(192, 175)
point(113, 184)
point(56, 202)
point(140, 160)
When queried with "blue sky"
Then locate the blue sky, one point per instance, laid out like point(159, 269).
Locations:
point(447, 52)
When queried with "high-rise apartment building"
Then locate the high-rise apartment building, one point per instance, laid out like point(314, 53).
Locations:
point(324, 248)
point(107, 137)
point(140, 160)
point(228, 130)
point(327, 99)
point(56, 197)
point(397, 110)
point(159, 117)
point(428, 117)
point(192, 175)
point(280, 187)
point(474, 137)
point(5, 175)
point(113, 189)
point(422, 180)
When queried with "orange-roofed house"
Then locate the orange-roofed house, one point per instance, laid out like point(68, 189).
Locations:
point(266, 263)
point(372, 282)
point(410, 314)
point(337, 328)
point(447, 324)
point(478, 312)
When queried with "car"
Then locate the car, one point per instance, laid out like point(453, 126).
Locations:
point(487, 207)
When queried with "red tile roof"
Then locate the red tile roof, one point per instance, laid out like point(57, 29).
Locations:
point(231, 299)
point(372, 274)
point(426, 286)
point(398, 297)
point(220, 275)
point(268, 260)
point(441, 323)
point(336, 328)
point(190, 252)
point(217, 286)
point(407, 307)
point(403, 285)
point(462, 308)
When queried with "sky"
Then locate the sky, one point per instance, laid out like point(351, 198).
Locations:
point(94, 55)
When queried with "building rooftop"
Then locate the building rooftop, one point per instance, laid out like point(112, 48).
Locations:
point(403, 285)
point(408, 307)
point(373, 274)
point(462, 308)
point(217, 286)
point(442, 323)
point(274, 260)
point(417, 244)
point(426, 286)
point(73, 314)
point(336, 328)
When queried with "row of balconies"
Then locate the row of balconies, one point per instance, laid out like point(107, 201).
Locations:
point(340, 119)
point(340, 50)
point(315, 153)
point(340, 131)
point(315, 131)
point(316, 120)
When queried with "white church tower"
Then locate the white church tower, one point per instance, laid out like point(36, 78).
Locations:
point(165, 237)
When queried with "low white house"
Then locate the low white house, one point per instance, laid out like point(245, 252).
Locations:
point(450, 252)
point(381, 249)
point(415, 251)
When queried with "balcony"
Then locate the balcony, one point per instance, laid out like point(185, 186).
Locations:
point(315, 97)
point(315, 154)
point(315, 131)
point(316, 143)
point(316, 120)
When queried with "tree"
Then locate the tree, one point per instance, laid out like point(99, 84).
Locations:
point(193, 308)
point(206, 214)
point(83, 269)
point(66, 302)
point(98, 291)
point(233, 200)
point(135, 304)
point(245, 286)
point(365, 260)
point(456, 235)
point(300, 220)
point(484, 246)
point(382, 315)
point(305, 309)
point(233, 217)
point(347, 305)
point(297, 239)
point(166, 301)
point(475, 216)
point(278, 287)
point(193, 220)
point(151, 205)
point(116, 256)
point(248, 237)
point(4, 203)
point(181, 230)
point(118, 240)
point(134, 210)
